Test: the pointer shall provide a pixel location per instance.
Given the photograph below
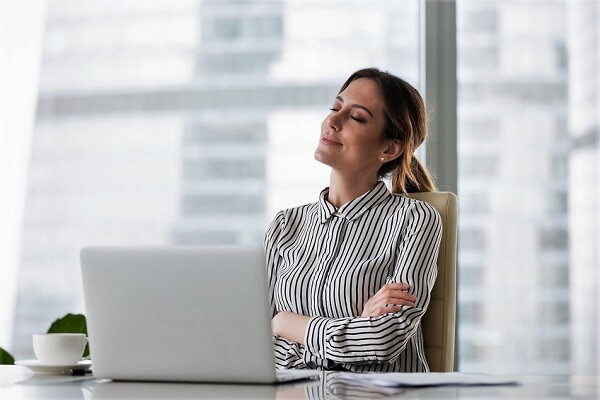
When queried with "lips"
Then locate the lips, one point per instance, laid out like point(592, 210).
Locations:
point(327, 139)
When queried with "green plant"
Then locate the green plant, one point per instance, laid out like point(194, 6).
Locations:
point(6, 358)
point(71, 323)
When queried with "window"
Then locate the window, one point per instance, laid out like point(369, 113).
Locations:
point(473, 238)
point(553, 238)
point(188, 122)
point(183, 123)
point(524, 70)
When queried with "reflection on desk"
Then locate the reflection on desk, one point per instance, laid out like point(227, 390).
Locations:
point(19, 383)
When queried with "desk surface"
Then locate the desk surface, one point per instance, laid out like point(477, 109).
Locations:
point(19, 383)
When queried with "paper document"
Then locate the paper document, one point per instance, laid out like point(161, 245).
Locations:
point(417, 379)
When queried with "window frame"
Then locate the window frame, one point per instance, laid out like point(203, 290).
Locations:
point(439, 86)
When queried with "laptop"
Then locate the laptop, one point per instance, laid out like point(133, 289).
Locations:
point(185, 314)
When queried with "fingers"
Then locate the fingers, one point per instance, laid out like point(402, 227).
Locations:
point(381, 310)
point(398, 301)
point(390, 308)
point(395, 286)
point(391, 292)
point(389, 299)
point(394, 302)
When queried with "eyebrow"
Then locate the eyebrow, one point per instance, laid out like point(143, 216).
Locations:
point(356, 105)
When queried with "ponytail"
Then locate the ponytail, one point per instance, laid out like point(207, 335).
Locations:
point(415, 178)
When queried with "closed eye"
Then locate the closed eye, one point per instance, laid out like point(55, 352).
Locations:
point(357, 119)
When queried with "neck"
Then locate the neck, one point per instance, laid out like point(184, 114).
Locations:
point(343, 189)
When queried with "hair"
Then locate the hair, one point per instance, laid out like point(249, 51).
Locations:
point(406, 122)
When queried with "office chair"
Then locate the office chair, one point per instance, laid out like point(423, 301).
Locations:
point(438, 323)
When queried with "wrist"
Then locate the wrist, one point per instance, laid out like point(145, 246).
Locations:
point(290, 326)
point(276, 325)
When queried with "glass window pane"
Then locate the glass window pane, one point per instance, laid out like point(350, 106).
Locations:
point(528, 126)
point(184, 122)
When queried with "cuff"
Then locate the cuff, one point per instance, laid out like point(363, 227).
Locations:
point(314, 337)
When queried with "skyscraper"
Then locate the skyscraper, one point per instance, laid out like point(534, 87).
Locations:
point(105, 163)
point(513, 183)
point(584, 208)
point(154, 124)
point(224, 145)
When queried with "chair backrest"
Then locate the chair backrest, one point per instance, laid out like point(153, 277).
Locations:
point(438, 323)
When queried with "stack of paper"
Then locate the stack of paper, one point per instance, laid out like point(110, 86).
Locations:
point(403, 380)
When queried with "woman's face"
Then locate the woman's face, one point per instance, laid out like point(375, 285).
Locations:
point(352, 134)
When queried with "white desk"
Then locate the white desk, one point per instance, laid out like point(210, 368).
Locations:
point(19, 383)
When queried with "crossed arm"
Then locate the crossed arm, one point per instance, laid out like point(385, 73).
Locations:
point(390, 298)
point(389, 319)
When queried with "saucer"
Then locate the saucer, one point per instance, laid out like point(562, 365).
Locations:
point(37, 367)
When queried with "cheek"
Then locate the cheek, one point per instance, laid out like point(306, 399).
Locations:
point(370, 145)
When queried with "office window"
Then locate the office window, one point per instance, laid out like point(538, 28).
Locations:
point(553, 275)
point(477, 165)
point(476, 201)
point(528, 186)
point(557, 201)
point(481, 129)
point(473, 238)
point(553, 314)
point(183, 122)
point(152, 118)
point(552, 351)
point(553, 238)
point(471, 276)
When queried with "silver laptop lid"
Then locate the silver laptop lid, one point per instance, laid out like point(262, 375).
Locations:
point(178, 313)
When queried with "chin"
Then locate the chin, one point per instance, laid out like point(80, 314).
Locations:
point(320, 157)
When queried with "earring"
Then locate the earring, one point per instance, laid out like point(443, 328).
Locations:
point(382, 159)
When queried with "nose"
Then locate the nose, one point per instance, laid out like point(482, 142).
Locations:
point(333, 120)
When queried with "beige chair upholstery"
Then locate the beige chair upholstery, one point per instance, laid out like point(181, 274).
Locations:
point(438, 323)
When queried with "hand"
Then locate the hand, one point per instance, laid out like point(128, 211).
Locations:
point(390, 298)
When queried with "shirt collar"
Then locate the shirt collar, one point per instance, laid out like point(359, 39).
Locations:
point(355, 208)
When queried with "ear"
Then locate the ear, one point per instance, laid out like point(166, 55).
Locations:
point(392, 150)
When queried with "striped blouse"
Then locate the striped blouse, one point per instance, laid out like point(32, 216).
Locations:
point(326, 263)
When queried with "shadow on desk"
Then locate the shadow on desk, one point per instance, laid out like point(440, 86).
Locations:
point(18, 383)
point(134, 390)
point(327, 388)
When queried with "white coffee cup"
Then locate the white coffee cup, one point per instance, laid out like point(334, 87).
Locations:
point(59, 348)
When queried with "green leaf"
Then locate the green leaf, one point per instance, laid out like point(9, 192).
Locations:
point(71, 323)
point(6, 358)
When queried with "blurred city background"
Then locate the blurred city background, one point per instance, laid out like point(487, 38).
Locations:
point(193, 122)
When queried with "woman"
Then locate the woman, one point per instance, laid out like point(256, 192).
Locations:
point(350, 276)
